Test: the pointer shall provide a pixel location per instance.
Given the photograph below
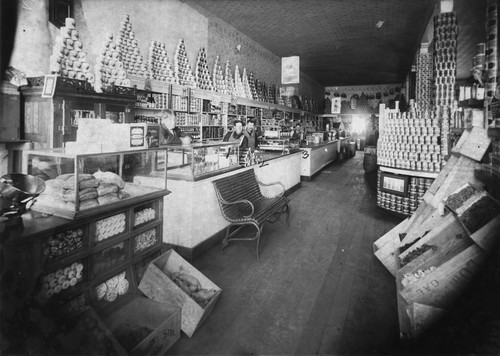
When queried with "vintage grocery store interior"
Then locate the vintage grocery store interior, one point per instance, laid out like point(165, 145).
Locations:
point(249, 177)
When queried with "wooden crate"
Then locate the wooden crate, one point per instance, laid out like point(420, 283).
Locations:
point(157, 285)
point(441, 287)
point(422, 317)
point(386, 247)
point(446, 239)
point(145, 327)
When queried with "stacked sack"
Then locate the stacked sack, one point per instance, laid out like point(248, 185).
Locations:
point(94, 190)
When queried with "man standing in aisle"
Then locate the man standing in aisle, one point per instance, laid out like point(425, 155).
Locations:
point(236, 135)
point(251, 134)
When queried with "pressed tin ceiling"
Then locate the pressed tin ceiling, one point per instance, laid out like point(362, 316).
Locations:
point(340, 42)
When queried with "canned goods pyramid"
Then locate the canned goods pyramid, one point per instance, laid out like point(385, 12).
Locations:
point(158, 65)
point(109, 68)
point(218, 77)
point(68, 58)
point(182, 69)
point(129, 52)
point(203, 78)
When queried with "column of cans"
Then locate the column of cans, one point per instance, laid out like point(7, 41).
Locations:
point(445, 64)
point(424, 78)
point(491, 48)
point(445, 58)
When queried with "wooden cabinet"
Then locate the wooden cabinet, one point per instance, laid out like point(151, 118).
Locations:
point(60, 267)
point(50, 122)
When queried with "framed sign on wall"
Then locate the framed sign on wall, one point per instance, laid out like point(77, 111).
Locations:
point(290, 73)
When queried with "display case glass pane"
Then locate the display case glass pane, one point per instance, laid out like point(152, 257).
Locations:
point(79, 182)
point(200, 160)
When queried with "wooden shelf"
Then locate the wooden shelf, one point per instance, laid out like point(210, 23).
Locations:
point(408, 172)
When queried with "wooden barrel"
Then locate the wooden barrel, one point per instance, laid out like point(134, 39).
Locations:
point(352, 148)
point(370, 163)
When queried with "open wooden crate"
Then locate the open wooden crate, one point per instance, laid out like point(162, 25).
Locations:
point(158, 285)
point(145, 327)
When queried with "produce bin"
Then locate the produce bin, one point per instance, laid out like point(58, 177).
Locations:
point(157, 284)
point(145, 327)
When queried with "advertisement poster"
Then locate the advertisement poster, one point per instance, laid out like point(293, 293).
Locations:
point(290, 73)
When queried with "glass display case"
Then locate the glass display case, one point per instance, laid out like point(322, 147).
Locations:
point(201, 160)
point(83, 184)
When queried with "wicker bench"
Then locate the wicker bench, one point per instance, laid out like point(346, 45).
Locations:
point(242, 203)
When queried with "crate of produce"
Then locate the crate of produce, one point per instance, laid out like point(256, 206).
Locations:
point(440, 285)
point(145, 327)
point(171, 279)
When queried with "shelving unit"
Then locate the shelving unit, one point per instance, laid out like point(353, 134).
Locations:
point(210, 114)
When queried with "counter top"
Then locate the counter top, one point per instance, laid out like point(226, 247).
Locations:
point(316, 145)
point(269, 155)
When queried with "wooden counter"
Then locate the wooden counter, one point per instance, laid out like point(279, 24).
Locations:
point(317, 156)
point(193, 222)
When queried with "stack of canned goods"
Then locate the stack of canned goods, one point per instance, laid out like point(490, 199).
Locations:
point(445, 58)
point(405, 205)
point(424, 78)
point(410, 141)
point(492, 48)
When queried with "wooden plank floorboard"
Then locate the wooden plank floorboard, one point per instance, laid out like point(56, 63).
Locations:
point(309, 279)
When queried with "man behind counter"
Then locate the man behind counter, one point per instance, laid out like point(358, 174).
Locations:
point(170, 134)
point(251, 134)
point(236, 135)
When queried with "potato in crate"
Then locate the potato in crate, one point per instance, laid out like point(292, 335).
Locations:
point(171, 279)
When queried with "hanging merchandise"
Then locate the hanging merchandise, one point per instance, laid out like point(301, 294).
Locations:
point(68, 58)
point(353, 101)
point(159, 67)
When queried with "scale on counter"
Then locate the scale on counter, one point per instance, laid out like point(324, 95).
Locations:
point(17, 193)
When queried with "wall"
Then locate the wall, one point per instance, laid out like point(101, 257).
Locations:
point(163, 20)
point(387, 91)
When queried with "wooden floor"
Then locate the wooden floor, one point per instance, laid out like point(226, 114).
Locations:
point(317, 287)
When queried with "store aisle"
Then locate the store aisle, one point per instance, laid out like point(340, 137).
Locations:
point(317, 287)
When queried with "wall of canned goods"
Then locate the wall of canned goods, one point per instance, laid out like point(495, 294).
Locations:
point(410, 140)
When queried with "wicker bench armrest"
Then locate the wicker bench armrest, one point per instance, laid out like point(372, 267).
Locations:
point(245, 201)
point(271, 184)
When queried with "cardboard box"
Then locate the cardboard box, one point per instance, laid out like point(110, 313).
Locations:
point(157, 285)
point(145, 327)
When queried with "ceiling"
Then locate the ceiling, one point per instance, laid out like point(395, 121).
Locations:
point(338, 41)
